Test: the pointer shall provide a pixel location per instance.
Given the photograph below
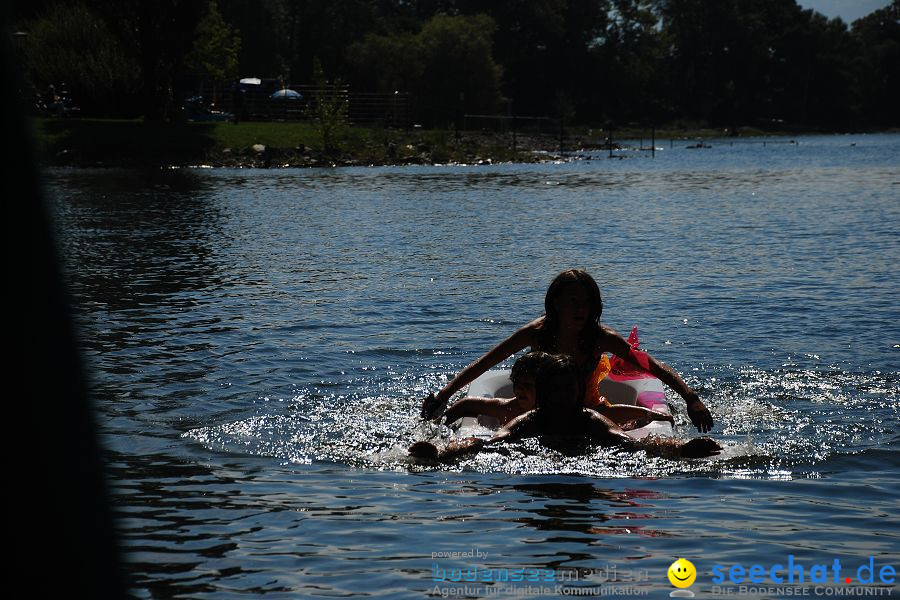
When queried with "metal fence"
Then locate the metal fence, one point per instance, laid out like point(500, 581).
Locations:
point(510, 124)
point(259, 103)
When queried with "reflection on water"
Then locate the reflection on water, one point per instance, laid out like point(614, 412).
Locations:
point(248, 526)
point(259, 343)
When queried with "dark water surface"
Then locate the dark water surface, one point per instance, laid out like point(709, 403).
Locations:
point(259, 341)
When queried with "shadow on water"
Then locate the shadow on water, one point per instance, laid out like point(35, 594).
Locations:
point(186, 517)
point(588, 509)
point(193, 528)
point(134, 240)
point(138, 249)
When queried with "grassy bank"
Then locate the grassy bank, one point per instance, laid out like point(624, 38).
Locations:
point(94, 142)
point(87, 142)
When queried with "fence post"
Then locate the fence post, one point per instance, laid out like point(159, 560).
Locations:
point(560, 135)
point(514, 135)
point(462, 98)
point(609, 138)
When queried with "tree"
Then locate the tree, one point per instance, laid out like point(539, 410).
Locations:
point(448, 65)
point(158, 34)
point(459, 69)
point(214, 56)
point(629, 57)
point(386, 63)
point(547, 51)
point(878, 81)
point(737, 62)
point(70, 44)
point(328, 107)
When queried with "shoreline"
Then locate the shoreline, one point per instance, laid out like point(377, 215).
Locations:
point(84, 143)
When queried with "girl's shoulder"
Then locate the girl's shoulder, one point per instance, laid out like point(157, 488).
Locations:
point(532, 331)
point(607, 338)
point(606, 330)
point(536, 324)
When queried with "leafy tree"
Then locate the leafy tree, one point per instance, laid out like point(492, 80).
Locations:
point(629, 57)
point(69, 44)
point(282, 37)
point(459, 70)
point(214, 57)
point(158, 34)
point(448, 65)
point(742, 61)
point(878, 78)
point(386, 63)
point(329, 107)
point(547, 49)
point(827, 95)
point(262, 51)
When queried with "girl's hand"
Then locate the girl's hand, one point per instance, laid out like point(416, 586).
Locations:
point(699, 414)
point(432, 407)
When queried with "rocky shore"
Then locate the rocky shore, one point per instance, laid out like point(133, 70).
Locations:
point(75, 143)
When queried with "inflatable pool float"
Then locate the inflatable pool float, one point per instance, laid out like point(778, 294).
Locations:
point(625, 384)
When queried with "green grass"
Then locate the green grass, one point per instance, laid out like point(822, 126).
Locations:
point(275, 135)
point(120, 142)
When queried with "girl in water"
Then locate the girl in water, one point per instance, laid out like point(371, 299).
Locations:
point(500, 411)
point(559, 390)
point(571, 326)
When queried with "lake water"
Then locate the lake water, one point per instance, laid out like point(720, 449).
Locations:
point(259, 342)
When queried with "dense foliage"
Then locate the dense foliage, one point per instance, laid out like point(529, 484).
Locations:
point(727, 63)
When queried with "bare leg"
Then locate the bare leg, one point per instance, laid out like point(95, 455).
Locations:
point(424, 450)
point(604, 428)
point(622, 414)
point(451, 450)
point(700, 447)
point(669, 447)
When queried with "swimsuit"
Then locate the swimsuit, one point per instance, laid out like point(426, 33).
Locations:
point(592, 397)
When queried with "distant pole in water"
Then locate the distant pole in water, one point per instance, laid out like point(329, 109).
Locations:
point(609, 138)
point(653, 141)
point(560, 135)
point(514, 135)
point(459, 112)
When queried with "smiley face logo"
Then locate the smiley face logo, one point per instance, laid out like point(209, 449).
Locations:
point(682, 573)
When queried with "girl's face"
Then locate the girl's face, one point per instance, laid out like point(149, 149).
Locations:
point(523, 388)
point(573, 306)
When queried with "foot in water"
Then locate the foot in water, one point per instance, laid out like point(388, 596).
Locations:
point(451, 450)
point(700, 447)
point(424, 450)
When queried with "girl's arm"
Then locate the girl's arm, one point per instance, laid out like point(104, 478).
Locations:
point(623, 413)
point(603, 429)
point(697, 411)
point(515, 429)
point(521, 427)
point(472, 407)
point(667, 447)
point(524, 337)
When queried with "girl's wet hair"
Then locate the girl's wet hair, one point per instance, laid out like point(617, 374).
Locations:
point(527, 364)
point(557, 373)
point(591, 331)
